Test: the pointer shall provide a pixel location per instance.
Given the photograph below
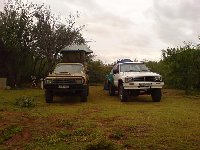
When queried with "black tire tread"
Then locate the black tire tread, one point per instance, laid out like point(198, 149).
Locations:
point(124, 94)
point(84, 96)
point(48, 96)
point(156, 95)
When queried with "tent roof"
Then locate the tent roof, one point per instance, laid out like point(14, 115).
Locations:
point(73, 48)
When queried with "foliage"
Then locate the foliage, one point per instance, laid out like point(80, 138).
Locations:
point(98, 71)
point(31, 38)
point(183, 64)
point(25, 101)
point(15, 36)
point(180, 67)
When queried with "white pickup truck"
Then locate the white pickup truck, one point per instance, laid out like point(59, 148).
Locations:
point(134, 78)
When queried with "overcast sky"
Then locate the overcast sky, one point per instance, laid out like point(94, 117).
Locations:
point(132, 28)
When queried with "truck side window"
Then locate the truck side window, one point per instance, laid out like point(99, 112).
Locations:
point(116, 69)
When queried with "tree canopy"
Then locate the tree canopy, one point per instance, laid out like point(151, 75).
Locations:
point(180, 67)
point(31, 38)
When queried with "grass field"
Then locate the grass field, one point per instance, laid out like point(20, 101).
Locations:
point(101, 123)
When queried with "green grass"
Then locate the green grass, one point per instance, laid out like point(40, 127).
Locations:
point(101, 123)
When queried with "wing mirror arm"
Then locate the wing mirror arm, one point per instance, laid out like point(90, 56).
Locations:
point(115, 71)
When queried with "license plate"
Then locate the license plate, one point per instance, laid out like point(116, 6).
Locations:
point(63, 86)
point(145, 84)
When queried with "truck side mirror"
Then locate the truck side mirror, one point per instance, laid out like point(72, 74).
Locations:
point(115, 71)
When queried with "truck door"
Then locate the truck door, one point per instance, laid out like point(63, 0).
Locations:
point(116, 74)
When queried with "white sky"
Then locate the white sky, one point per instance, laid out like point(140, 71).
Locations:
point(132, 28)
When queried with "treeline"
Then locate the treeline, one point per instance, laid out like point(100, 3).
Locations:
point(31, 38)
point(180, 67)
point(98, 71)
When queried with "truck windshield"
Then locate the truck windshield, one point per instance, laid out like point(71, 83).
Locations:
point(130, 67)
point(69, 68)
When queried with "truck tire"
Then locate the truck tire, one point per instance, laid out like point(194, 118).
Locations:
point(48, 96)
point(111, 90)
point(156, 95)
point(122, 93)
point(84, 96)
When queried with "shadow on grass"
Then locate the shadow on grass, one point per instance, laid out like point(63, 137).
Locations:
point(141, 98)
point(67, 99)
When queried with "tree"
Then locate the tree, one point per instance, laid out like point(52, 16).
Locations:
point(181, 66)
point(31, 39)
point(51, 36)
point(98, 71)
point(15, 34)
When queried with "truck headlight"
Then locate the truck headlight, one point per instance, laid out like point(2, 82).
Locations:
point(129, 79)
point(158, 78)
point(48, 81)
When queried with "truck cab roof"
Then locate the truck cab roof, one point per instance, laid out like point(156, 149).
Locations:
point(123, 61)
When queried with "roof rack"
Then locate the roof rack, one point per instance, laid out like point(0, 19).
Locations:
point(124, 60)
point(77, 48)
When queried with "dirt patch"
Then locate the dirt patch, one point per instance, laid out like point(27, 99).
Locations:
point(9, 118)
point(19, 139)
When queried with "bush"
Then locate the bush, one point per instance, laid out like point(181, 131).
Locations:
point(25, 101)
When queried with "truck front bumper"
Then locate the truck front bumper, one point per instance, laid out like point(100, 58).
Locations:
point(143, 85)
point(67, 88)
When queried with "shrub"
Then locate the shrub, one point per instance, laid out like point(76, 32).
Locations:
point(25, 101)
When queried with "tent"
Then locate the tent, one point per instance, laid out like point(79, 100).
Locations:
point(75, 53)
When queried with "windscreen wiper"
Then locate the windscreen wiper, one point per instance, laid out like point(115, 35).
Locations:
point(65, 72)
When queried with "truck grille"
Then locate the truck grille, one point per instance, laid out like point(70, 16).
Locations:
point(63, 81)
point(146, 78)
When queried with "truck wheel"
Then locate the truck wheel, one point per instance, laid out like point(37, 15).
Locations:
point(48, 96)
point(156, 95)
point(111, 90)
point(122, 93)
point(84, 96)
